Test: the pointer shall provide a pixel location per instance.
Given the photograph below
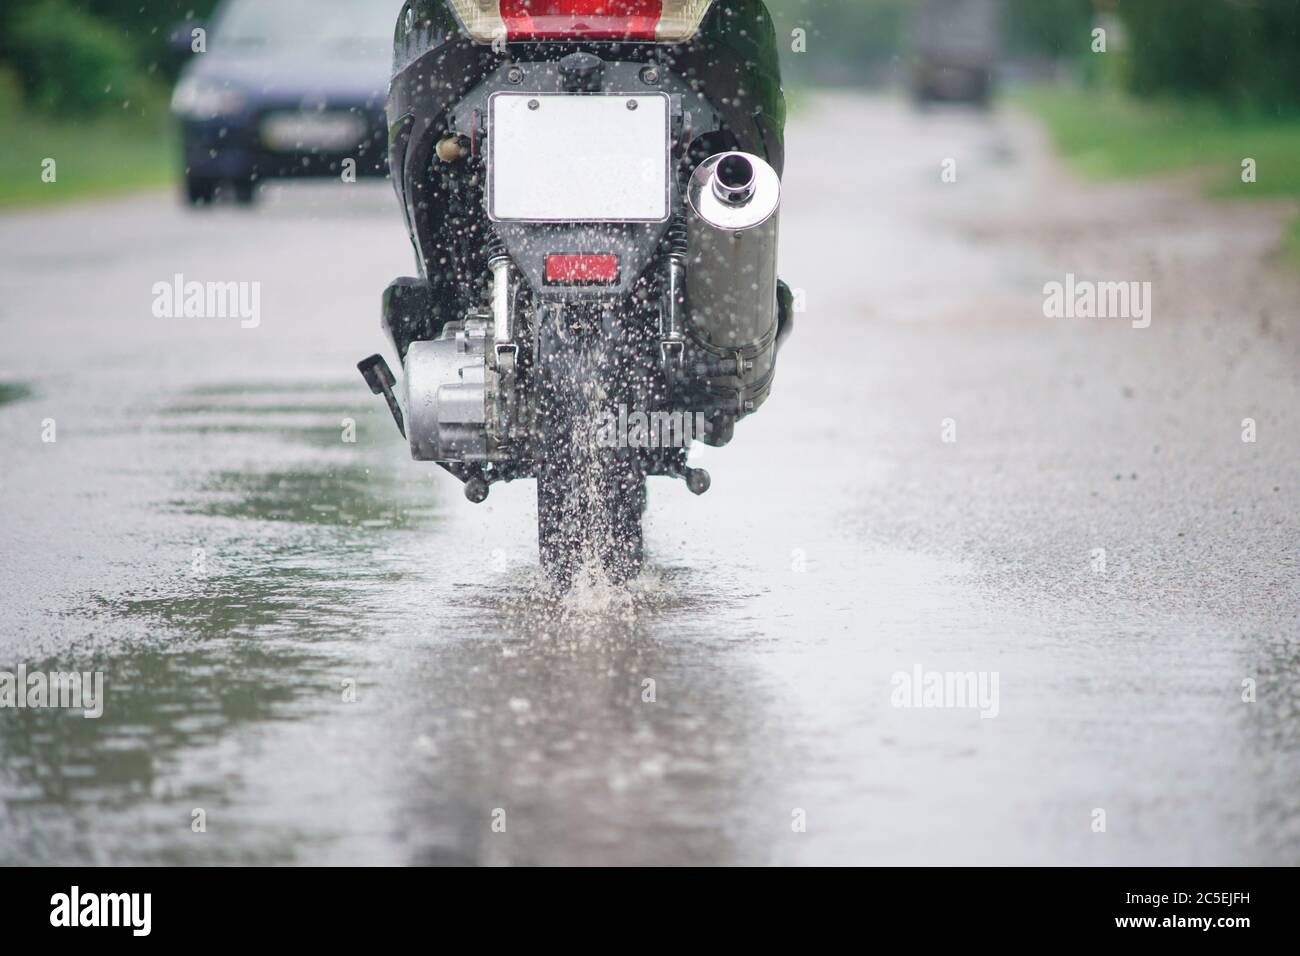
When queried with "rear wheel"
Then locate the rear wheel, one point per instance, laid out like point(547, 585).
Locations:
point(589, 522)
point(590, 493)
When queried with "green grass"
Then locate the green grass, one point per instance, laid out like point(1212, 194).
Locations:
point(1107, 135)
point(93, 157)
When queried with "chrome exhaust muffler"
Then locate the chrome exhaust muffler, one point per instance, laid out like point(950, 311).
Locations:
point(732, 220)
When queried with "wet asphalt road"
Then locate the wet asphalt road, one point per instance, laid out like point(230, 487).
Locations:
point(201, 534)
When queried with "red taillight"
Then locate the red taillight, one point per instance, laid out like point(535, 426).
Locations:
point(581, 270)
point(588, 19)
point(662, 21)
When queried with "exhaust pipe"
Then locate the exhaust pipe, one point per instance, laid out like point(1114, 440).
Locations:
point(734, 179)
point(733, 223)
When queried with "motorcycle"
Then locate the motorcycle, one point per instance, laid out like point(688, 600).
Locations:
point(592, 190)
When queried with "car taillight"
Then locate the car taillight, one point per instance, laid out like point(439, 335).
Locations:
point(525, 20)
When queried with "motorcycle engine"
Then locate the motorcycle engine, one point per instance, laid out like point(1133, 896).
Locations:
point(451, 395)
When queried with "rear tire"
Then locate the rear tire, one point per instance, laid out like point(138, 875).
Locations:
point(589, 521)
point(590, 497)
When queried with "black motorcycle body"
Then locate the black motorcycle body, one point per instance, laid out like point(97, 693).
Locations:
point(584, 349)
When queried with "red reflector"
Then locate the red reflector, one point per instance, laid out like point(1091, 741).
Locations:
point(589, 19)
point(581, 270)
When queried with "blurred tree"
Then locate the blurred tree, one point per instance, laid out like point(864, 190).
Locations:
point(67, 61)
point(84, 55)
point(1274, 74)
point(1053, 29)
point(148, 24)
point(1241, 52)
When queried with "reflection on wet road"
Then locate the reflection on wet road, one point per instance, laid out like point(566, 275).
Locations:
point(325, 648)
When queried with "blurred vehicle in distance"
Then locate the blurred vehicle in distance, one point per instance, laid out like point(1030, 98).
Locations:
point(286, 88)
point(954, 46)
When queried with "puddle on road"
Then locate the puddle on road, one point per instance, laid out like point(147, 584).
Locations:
point(200, 681)
point(324, 563)
point(323, 489)
point(262, 627)
point(319, 564)
point(343, 496)
point(10, 393)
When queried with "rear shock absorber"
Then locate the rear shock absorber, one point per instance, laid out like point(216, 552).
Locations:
point(499, 265)
point(675, 308)
point(505, 347)
point(678, 251)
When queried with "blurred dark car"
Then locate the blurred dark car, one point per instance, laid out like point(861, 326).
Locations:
point(285, 88)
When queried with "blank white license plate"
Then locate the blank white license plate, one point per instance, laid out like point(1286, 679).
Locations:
point(330, 132)
point(556, 157)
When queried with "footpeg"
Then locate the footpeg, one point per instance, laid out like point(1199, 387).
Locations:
point(381, 380)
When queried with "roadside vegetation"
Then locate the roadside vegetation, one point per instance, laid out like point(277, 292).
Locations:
point(92, 156)
point(1183, 84)
point(86, 84)
point(1112, 135)
point(1210, 85)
